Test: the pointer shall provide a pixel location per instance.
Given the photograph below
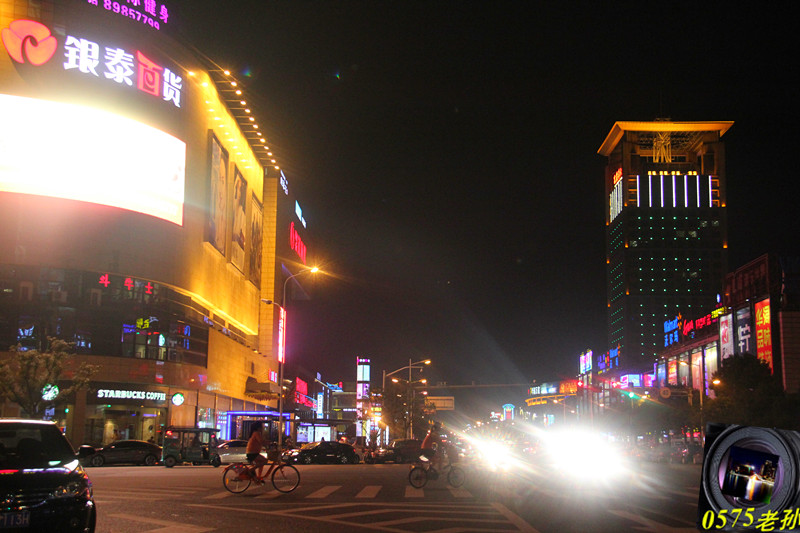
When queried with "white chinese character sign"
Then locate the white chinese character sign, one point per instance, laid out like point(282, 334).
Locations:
point(743, 325)
point(31, 42)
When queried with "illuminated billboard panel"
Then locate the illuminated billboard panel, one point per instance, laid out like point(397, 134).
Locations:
point(764, 332)
point(80, 153)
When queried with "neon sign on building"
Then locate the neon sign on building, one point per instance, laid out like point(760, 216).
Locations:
point(281, 335)
point(84, 56)
point(763, 332)
point(122, 68)
point(148, 12)
point(672, 330)
point(615, 198)
point(296, 243)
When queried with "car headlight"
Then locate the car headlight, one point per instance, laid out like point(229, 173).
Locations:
point(71, 490)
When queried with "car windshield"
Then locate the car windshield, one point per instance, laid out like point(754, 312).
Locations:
point(310, 445)
point(25, 445)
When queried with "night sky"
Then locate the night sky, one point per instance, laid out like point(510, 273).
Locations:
point(445, 154)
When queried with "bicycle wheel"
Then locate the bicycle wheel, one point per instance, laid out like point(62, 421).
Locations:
point(285, 478)
point(456, 476)
point(236, 478)
point(418, 477)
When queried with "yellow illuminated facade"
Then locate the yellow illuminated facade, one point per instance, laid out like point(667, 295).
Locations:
point(162, 303)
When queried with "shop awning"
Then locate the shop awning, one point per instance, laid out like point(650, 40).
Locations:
point(260, 391)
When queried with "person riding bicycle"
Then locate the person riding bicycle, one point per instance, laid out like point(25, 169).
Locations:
point(256, 442)
point(431, 446)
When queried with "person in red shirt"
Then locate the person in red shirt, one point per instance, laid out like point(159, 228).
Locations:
point(431, 445)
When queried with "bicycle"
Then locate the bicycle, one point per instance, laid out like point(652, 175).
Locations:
point(237, 477)
point(423, 470)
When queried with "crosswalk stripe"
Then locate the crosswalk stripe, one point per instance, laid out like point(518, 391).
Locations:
point(218, 495)
point(412, 492)
point(460, 493)
point(324, 492)
point(270, 494)
point(370, 491)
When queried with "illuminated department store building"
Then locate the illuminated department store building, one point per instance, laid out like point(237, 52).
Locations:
point(666, 229)
point(142, 217)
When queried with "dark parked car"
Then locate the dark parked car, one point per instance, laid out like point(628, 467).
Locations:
point(127, 451)
point(322, 452)
point(43, 486)
point(400, 451)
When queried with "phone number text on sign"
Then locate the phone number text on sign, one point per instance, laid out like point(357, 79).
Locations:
point(150, 14)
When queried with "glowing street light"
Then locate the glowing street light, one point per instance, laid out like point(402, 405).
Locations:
point(411, 404)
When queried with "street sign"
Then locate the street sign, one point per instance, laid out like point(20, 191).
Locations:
point(442, 403)
point(664, 392)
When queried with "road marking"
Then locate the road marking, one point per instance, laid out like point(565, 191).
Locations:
point(412, 492)
point(324, 492)
point(515, 519)
point(218, 495)
point(489, 517)
point(270, 494)
point(370, 491)
point(459, 493)
point(168, 527)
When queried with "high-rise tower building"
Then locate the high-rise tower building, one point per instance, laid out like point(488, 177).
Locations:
point(666, 228)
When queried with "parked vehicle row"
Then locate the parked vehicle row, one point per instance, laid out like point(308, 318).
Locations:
point(400, 451)
point(675, 452)
point(126, 452)
point(322, 452)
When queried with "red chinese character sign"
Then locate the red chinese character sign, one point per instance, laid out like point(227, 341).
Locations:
point(764, 332)
point(296, 243)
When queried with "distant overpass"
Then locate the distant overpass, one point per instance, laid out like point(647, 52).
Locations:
point(474, 385)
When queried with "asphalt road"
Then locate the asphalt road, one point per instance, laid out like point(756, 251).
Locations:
point(355, 498)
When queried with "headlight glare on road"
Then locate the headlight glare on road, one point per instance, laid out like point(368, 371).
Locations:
point(584, 456)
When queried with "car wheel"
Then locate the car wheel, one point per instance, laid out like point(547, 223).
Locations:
point(150, 460)
point(98, 460)
point(355, 460)
point(170, 461)
point(216, 461)
point(343, 459)
point(306, 459)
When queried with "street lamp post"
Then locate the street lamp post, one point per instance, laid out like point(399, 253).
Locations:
point(412, 397)
point(411, 366)
point(282, 349)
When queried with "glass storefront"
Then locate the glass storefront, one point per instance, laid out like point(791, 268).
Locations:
point(107, 423)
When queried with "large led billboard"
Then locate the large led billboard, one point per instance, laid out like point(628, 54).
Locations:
point(85, 154)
